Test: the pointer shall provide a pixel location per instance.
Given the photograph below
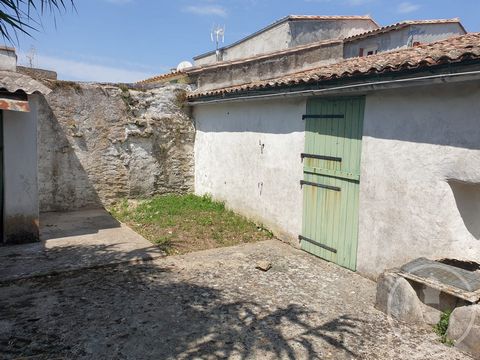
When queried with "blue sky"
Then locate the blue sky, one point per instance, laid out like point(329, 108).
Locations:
point(127, 40)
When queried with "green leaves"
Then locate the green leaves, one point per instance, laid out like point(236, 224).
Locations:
point(24, 15)
point(442, 327)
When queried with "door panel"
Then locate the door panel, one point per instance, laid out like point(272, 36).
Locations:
point(331, 179)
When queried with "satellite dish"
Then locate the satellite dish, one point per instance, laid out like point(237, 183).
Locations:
point(184, 65)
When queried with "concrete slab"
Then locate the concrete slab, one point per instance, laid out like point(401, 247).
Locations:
point(73, 241)
point(213, 304)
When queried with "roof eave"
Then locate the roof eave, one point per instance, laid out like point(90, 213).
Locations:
point(358, 80)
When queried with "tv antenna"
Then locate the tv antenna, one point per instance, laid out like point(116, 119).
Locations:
point(218, 37)
point(31, 56)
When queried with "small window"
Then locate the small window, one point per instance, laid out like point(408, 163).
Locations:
point(371, 51)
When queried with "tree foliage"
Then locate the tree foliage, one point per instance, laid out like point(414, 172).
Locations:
point(24, 15)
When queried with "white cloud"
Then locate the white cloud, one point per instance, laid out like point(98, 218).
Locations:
point(207, 10)
point(407, 7)
point(86, 71)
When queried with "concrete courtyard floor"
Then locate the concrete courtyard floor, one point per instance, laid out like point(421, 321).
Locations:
point(207, 305)
point(75, 240)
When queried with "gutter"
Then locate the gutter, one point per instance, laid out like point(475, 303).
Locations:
point(355, 88)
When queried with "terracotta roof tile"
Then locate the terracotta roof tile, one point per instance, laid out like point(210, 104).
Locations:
point(452, 50)
point(161, 77)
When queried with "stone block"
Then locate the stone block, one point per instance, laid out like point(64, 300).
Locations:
point(397, 298)
point(464, 329)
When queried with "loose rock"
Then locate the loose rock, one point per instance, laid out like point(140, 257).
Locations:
point(264, 265)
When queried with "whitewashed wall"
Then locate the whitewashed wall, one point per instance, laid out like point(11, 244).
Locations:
point(20, 174)
point(420, 176)
point(230, 165)
point(416, 141)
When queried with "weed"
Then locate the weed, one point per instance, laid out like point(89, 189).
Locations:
point(61, 84)
point(123, 87)
point(442, 327)
point(180, 98)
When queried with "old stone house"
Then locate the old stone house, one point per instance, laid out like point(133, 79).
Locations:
point(368, 162)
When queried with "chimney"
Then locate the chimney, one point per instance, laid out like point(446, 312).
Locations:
point(8, 59)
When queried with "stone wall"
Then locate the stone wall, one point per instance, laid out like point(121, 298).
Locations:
point(100, 143)
point(37, 73)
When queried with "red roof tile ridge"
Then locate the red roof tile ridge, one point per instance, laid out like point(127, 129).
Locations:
point(160, 77)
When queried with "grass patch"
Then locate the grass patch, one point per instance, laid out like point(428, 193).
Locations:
point(180, 224)
point(442, 327)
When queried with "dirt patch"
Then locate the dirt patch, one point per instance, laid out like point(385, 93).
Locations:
point(180, 224)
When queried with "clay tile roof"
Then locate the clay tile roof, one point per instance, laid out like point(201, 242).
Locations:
point(13, 81)
point(401, 25)
point(453, 50)
point(161, 77)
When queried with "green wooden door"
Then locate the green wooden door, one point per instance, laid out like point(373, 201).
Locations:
point(333, 141)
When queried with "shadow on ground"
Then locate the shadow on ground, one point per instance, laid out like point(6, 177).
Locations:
point(153, 313)
point(209, 305)
point(73, 241)
point(55, 225)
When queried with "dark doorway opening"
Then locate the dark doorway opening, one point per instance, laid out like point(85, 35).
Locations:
point(2, 233)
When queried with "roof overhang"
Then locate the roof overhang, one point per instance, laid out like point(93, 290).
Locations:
point(14, 101)
point(13, 82)
point(15, 88)
point(365, 84)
